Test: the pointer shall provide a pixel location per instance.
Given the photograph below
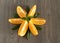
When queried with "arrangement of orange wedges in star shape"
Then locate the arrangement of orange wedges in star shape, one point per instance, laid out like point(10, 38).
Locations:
point(24, 23)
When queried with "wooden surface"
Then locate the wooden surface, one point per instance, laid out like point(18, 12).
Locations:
point(49, 9)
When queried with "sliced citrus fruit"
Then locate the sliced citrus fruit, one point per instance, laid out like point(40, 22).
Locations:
point(38, 21)
point(32, 11)
point(33, 28)
point(16, 21)
point(22, 13)
point(23, 28)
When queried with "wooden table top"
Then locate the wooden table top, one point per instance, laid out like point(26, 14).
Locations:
point(48, 9)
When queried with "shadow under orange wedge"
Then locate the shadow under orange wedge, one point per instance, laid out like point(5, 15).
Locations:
point(24, 23)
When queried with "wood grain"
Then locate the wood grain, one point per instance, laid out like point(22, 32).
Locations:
point(49, 9)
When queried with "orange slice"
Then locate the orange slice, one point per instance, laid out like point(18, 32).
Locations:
point(16, 21)
point(33, 28)
point(23, 28)
point(22, 13)
point(32, 11)
point(38, 21)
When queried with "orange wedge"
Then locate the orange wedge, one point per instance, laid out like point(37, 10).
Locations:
point(16, 21)
point(38, 21)
point(32, 11)
point(33, 29)
point(23, 28)
point(22, 13)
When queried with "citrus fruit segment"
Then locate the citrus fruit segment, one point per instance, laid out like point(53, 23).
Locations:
point(33, 29)
point(23, 28)
point(22, 13)
point(38, 21)
point(16, 21)
point(32, 11)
